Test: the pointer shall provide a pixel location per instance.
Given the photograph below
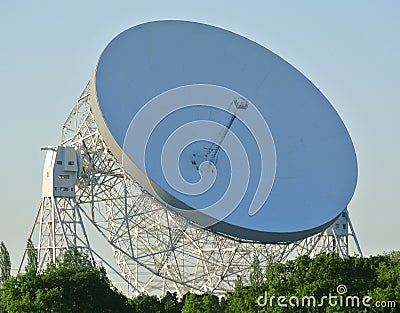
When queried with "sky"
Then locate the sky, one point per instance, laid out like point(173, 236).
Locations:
point(349, 50)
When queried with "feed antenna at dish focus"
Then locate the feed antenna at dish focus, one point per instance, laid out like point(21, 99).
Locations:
point(193, 140)
point(159, 92)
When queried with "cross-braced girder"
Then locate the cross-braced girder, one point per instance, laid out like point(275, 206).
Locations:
point(58, 226)
point(155, 249)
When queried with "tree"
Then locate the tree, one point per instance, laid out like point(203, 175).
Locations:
point(145, 303)
point(201, 303)
point(32, 257)
point(243, 300)
point(377, 277)
point(170, 303)
point(238, 282)
point(192, 303)
point(256, 276)
point(5, 264)
point(73, 284)
point(210, 304)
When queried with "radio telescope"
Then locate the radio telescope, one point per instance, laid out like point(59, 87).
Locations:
point(191, 150)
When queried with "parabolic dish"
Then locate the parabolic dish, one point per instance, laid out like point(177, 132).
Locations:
point(223, 131)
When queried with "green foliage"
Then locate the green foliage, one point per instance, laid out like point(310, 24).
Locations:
point(5, 264)
point(74, 285)
point(32, 257)
point(192, 303)
point(170, 303)
point(202, 303)
point(238, 282)
point(244, 300)
point(210, 303)
point(256, 276)
point(71, 285)
point(376, 276)
point(145, 303)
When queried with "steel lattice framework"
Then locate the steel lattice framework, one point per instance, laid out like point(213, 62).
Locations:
point(155, 249)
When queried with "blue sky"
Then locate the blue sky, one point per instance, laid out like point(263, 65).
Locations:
point(350, 51)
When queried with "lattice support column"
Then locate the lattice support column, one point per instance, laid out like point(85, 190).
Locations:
point(58, 225)
point(155, 249)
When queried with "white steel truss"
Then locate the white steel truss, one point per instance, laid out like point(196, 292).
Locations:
point(155, 249)
point(58, 226)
